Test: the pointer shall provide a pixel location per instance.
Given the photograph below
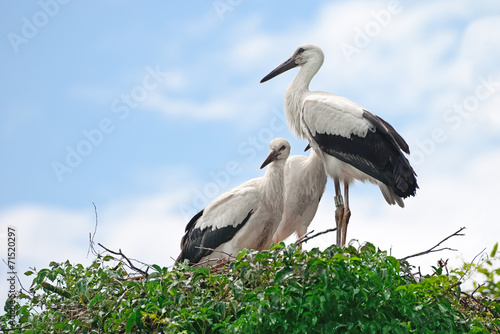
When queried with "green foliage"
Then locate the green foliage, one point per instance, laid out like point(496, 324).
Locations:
point(491, 287)
point(484, 309)
point(282, 290)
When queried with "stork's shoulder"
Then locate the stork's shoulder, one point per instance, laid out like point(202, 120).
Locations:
point(246, 190)
point(329, 102)
point(324, 112)
point(232, 206)
point(295, 162)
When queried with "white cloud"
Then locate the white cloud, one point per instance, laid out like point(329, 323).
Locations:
point(175, 80)
point(44, 234)
point(482, 43)
point(215, 108)
point(148, 229)
point(47, 233)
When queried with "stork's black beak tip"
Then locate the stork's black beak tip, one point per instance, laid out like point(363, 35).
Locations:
point(273, 155)
point(290, 63)
point(266, 78)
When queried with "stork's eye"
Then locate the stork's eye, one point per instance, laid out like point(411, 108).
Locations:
point(300, 50)
point(282, 148)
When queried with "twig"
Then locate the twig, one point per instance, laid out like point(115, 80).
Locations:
point(228, 257)
point(127, 259)
point(299, 240)
point(469, 270)
point(18, 279)
point(444, 264)
point(306, 238)
point(216, 251)
point(6, 330)
point(474, 259)
point(218, 262)
point(473, 292)
point(432, 249)
point(91, 236)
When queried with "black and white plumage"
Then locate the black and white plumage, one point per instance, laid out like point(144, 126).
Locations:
point(305, 182)
point(244, 217)
point(353, 143)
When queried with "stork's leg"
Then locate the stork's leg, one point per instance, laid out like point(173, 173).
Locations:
point(346, 214)
point(339, 211)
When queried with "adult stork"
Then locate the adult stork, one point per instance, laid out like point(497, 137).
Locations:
point(352, 142)
point(244, 217)
point(305, 181)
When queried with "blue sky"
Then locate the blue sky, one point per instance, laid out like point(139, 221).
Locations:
point(163, 106)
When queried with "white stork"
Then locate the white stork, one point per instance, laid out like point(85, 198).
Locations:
point(352, 142)
point(305, 181)
point(244, 217)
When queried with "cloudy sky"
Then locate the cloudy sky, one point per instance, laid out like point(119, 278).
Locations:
point(151, 111)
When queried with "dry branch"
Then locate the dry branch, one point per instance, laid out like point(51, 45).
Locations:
point(433, 249)
point(231, 256)
point(92, 236)
point(306, 236)
point(18, 279)
point(130, 264)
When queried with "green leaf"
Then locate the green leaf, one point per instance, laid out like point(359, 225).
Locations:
point(81, 286)
point(277, 246)
point(241, 254)
point(130, 322)
point(41, 275)
point(138, 319)
point(154, 275)
point(494, 250)
point(108, 258)
point(283, 274)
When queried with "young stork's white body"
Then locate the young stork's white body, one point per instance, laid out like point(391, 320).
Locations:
point(305, 181)
point(353, 143)
point(244, 217)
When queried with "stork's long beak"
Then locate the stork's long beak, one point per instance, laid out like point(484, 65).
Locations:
point(273, 155)
point(287, 65)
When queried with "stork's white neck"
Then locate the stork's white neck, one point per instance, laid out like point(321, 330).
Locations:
point(315, 161)
point(294, 96)
point(274, 186)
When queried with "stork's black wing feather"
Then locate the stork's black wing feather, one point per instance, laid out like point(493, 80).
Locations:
point(198, 243)
point(189, 227)
point(377, 154)
point(387, 129)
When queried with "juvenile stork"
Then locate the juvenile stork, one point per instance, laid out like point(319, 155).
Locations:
point(244, 217)
point(305, 181)
point(352, 142)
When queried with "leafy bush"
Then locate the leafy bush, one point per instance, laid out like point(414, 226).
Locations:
point(282, 290)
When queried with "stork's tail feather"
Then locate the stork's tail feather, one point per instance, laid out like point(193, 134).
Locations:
point(390, 196)
point(405, 178)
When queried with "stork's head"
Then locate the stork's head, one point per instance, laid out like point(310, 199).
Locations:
point(280, 150)
point(305, 54)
